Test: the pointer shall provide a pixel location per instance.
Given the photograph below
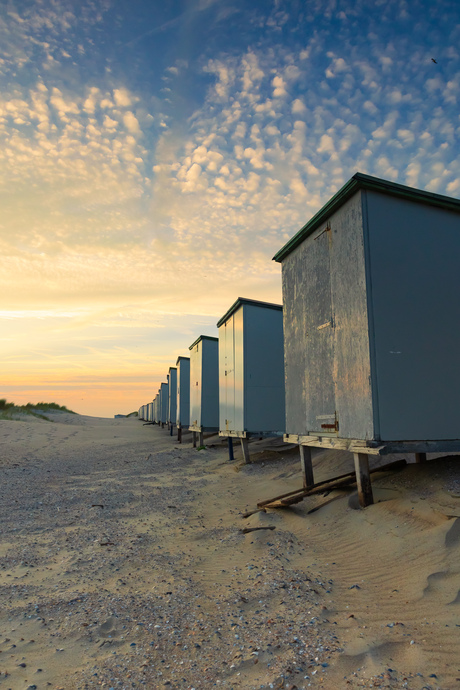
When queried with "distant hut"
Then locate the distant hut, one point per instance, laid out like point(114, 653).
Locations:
point(172, 402)
point(204, 386)
point(183, 395)
point(164, 403)
point(157, 407)
point(370, 289)
point(251, 371)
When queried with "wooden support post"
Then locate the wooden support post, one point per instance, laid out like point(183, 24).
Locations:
point(171, 430)
point(201, 438)
point(307, 467)
point(363, 479)
point(179, 434)
point(245, 449)
point(420, 457)
point(194, 438)
point(162, 425)
point(230, 449)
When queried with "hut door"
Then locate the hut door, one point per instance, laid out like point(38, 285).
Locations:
point(320, 387)
point(195, 386)
point(229, 375)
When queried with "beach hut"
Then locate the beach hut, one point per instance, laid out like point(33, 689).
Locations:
point(157, 407)
point(164, 404)
point(172, 402)
point(204, 386)
point(150, 412)
point(370, 289)
point(167, 403)
point(251, 371)
point(183, 395)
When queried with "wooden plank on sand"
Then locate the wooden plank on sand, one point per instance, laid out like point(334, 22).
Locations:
point(340, 482)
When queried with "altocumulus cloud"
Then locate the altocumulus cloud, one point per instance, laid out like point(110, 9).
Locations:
point(96, 167)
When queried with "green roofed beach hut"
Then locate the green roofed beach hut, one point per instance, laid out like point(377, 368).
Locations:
point(370, 292)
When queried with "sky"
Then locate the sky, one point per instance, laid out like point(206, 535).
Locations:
point(155, 155)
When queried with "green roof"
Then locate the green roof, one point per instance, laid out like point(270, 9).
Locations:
point(202, 337)
point(357, 182)
point(242, 300)
point(180, 357)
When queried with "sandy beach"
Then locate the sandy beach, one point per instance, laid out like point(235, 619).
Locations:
point(123, 565)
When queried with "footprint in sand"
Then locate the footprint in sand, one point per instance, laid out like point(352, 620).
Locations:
point(109, 628)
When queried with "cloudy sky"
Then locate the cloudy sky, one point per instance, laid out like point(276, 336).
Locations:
point(155, 155)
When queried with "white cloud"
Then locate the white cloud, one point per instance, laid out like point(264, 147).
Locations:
point(226, 76)
point(279, 87)
point(109, 123)
point(63, 105)
point(298, 106)
point(406, 136)
point(337, 66)
point(299, 188)
point(252, 74)
point(91, 101)
point(131, 123)
point(326, 144)
point(122, 98)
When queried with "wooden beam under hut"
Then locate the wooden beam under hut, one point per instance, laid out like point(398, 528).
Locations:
point(343, 481)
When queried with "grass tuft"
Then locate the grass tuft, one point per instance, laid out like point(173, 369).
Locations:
point(9, 410)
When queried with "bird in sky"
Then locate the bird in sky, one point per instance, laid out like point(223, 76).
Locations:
point(433, 60)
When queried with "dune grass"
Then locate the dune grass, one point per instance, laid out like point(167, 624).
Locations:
point(9, 410)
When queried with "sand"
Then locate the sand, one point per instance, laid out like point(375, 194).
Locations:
point(123, 565)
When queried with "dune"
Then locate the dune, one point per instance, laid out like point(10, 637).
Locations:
point(124, 565)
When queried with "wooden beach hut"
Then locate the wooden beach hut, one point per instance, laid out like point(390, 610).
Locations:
point(164, 404)
point(204, 386)
point(370, 290)
point(172, 402)
point(157, 407)
point(183, 395)
point(251, 371)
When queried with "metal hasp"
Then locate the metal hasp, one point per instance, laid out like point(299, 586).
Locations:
point(204, 387)
point(172, 398)
point(370, 292)
point(183, 396)
point(251, 371)
point(164, 403)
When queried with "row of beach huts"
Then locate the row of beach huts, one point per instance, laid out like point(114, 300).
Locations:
point(233, 384)
point(362, 355)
